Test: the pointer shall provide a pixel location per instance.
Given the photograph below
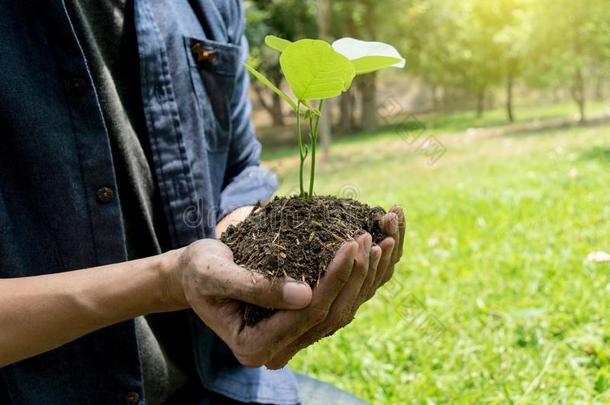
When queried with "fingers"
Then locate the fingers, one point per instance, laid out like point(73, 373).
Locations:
point(385, 267)
point(336, 276)
point(369, 286)
point(206, 247)
point(218, 276)
point(389, 225)
point(356, 272)
point(348, 301)
point(393, 224)
point(342, 310)
point(255, 288)
point(281, 329)
point(400, 214)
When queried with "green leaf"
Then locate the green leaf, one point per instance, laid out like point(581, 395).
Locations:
point(277, 43)
point(369, 64)
point(355, 49)
point(315, 71)
point(270, 85)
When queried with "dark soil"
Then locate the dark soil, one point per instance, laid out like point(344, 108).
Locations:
point(295, 237)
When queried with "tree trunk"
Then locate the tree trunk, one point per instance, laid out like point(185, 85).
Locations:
point(490, 101)
point(579, 96)
point(346, 110)
point(368, 84)
point(509, 98)
point(347, 101)
point(368, 94)
point(480, 103)
point(437, 97)
point(582, 111)
point(599, 89)
point(556, 95)
point(274, 109)
point(277, 114)
point(324, 19)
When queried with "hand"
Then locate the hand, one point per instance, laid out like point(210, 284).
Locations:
point(233, 218)
point(373, 267)
point(393, 225)
point(210, 283)
point(206, 279)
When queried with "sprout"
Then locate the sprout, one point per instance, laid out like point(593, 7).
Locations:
point(315, 71)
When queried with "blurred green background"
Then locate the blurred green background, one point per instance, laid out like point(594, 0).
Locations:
point(496, 141)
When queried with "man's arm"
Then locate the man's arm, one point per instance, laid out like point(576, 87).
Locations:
point(41, 313)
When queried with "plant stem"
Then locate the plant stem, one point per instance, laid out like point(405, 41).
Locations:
point(313, 129)
point(312, 136)
point(301, 151)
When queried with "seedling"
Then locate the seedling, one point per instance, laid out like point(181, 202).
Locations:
point(315, 71)
point(266, 242)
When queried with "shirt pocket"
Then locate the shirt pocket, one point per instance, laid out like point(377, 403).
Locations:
point(213, 67)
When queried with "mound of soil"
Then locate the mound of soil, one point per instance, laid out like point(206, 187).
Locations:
point(298, 238)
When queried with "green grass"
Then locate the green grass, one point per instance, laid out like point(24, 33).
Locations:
point(461, 121)
point(493, 301)
point(439, 124)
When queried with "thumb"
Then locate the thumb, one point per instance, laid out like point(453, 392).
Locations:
point(254, 288)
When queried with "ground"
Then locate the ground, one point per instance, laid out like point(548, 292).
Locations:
point(494, 301)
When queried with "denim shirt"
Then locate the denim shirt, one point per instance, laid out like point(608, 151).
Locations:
point(59, 203)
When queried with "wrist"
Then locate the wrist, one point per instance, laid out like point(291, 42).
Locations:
point(169, 269)
point(233, 218)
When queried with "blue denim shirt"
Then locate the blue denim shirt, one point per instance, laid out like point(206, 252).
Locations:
point(56, 168)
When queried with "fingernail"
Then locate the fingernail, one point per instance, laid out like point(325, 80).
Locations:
point(376, 257)
point(368, 242)
point(398, 211)
point(296, 294)
point(353, 245)
point(394, 222)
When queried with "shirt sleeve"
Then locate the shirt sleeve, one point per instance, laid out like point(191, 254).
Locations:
point(245, 182)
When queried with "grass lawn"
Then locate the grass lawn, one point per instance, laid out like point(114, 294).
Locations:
point(278, 147)
point(493, 301)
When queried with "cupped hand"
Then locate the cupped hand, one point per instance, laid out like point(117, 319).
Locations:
point(373, 266)
point(214, 287)
point(207, 280)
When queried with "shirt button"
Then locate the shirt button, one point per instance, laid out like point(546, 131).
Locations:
point(132, 398)
point(104, 195)
point(77, 85)
point(201, 54)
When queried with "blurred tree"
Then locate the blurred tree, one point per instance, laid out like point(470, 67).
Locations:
point(472, 45)
point(511, 24)
point(430, 26)
point(478, 55)
point(570, 45)
point(290, 19)
point(324, 18)
point(465, 49)
point(372, 20)
point(367, 84)
point(343, 17)
point(347, 20)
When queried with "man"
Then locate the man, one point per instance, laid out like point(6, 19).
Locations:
point(125, 147)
